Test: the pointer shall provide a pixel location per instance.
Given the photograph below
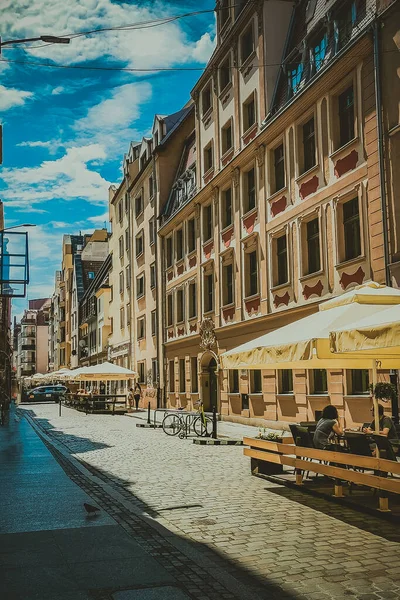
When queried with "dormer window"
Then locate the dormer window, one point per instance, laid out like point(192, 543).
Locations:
point(318, 52)
point(295, 76)
point(347, 19)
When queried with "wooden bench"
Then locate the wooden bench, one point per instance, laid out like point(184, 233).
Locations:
point(269, 458)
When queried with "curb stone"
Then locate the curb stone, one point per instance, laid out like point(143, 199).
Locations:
point(213, 442)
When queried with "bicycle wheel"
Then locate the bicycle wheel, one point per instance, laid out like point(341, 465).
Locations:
point(202, 426)
point(171, 424)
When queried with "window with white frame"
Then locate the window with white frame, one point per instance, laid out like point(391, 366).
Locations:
point(180, 305)
point(281, 264)
point(139, 205)
point(208, 157)
point(170, 309)
point(179, 244)
point(140, 286)
point(152, 231)
point(141, 328)
point(227, 284)
point(121, 246)
point(227, 137)
point(191, 235)
point(121, 282)
point(251, 273)
point(207, 222)
point(153, 323)
point(122, 317)
point(226, 207)
point(139, 244)
point(192, 300)
point(153, 276)
point(169, 251)
point(127, 240)
point(249, 112)
point(208, 291)
point(247, 44)
point(128, 277)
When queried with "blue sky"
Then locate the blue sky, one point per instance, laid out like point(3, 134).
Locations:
point(65, 131)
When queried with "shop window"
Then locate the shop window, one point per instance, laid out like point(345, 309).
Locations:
point(285, 381)
point(192, 300)
point(226, 207)
point(346, 115)
point(171, 376)
point(255, 381)
point(359, 382)
point(319, 381)
point(182, 376)
point(309, 155)
point(249, 190)
point(191, 226)
point(227, 284)
point(227, 137)
point(208, 292)
point(249, 112)
point(313, 247)
point(351, 229)
point(234, 381)
point(207, 223)
point(194, 375)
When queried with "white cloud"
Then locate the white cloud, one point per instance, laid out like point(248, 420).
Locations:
point(58, 90)
point(66, 178)
point(203, 48)
point(36, 144)
point(99, 219)
point(152, 47)
point(11, 97)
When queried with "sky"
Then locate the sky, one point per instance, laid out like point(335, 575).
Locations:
point(66, 130)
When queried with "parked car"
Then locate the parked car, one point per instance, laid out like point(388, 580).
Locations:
point(46, 393)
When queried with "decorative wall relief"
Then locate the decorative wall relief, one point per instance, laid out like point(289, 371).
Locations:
point(228, 313)
point(349, 162)
point(249, 222)
point(253, 306)
point(308, 187)
point(278, 300)
point(310, 290)
point(192, 261)
point(227, 237)
point(278, 206)
point(208, 248)
point(348, 278)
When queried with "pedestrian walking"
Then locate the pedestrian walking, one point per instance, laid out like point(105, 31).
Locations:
point(137, 395)
point(130, 399)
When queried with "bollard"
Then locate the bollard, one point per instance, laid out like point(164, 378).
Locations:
point(214, 424)
point(148, 414)
point(59, 409)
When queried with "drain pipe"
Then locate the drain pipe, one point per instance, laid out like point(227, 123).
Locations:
point(379, 119)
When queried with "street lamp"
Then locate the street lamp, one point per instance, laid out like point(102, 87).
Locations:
point(50, 39)
point(16, 226)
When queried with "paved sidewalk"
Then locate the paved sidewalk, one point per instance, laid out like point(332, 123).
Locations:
point(273, 541)
point(51, 550)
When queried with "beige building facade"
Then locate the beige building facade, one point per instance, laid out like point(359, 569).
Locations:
point(287, 212)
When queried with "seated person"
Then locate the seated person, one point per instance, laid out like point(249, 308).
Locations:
point(326, 428)
point(386, 425)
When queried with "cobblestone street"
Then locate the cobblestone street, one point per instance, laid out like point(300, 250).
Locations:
point(297, 545)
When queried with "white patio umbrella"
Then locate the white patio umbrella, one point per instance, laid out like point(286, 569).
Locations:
point(102, 372)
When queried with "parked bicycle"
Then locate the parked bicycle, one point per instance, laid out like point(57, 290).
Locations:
point(182, 424)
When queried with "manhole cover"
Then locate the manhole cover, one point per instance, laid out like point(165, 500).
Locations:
point(205, 522)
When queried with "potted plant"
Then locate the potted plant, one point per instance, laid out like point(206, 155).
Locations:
point(384, 391)
point(270, 436)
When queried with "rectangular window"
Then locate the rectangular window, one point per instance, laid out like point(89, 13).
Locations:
point(141, 325)
point(225, 75)
point(227, 284)
point(169, 251)
point(152, 231)
point(121, 318)
point(154, 370)
point(226, 209)
point(319, 52)
point(127, 240)
point(128, 314)
point(139, 245)
point(153, 276)
point(182, 376)
point(171, 376)
point(191, 232)
point(247, 43)
point(295, 72)
point(192, 300)
point(128, 277)
point(252, 264)
point(127, 202)
point(282, 262)
point(180, 305)
point(208, 158)
point(249, 190)
point(351, 229)
point(346, 115)
point(227, 137)
point(207, 222)
point(121, 282)
point(151, 186)
point(255, 381)
point(179, 244)
point(140, 286)
point(153, 323)
point(141, 372)
point(319, 381)
point(170, 310)
point(359, 379)
point(206, 99)
point(225, 12)
point(279, 168)
point(194, 378)
point(234, 381)
point(120, 211)
point(285, 379)
point(308, 145)
point(138, 205)
point(313, 249)
point(249, 113)
point(208, 292)
point(121, 246)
